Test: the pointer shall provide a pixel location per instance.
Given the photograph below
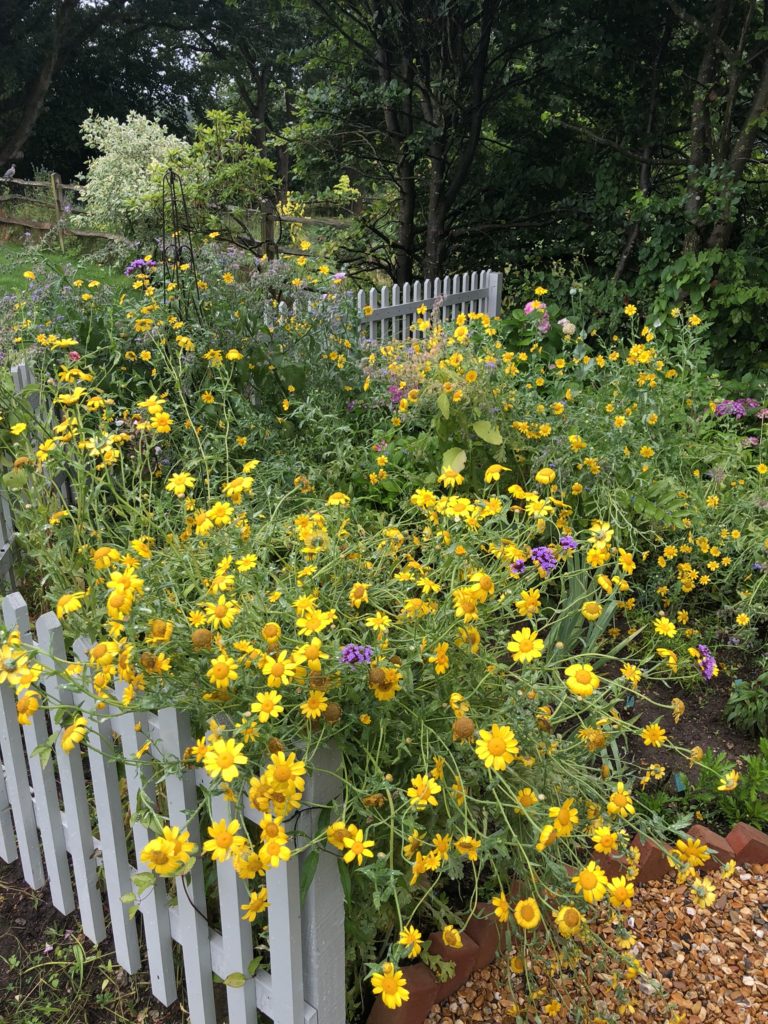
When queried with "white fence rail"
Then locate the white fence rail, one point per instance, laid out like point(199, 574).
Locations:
point(65, 818)
point(393, 313)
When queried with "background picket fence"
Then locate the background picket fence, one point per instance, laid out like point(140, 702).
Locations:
point(394, 313)
point(70, 816)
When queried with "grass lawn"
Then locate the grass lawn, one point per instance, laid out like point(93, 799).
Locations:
point(16, 258)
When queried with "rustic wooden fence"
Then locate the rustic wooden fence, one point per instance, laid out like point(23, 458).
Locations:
point(50, 198)
point(394, 312)
point(66, 818)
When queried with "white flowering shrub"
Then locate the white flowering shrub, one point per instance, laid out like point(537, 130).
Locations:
point(120, 192)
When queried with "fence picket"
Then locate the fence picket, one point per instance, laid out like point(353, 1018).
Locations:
point(6, 543)
point(72, 781)
point(48, 815)
point(8, 849)
point(284, 915)
point(181, 795)
point(23, 376)
point(237, 937)
point(106, 792)
point(12, 749)
point(153, 903)
point(397, 323)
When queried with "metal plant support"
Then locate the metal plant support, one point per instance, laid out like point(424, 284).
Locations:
point(177, 250)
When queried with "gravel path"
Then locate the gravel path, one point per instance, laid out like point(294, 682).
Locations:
point(695, 966)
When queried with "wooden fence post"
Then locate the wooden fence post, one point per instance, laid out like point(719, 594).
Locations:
point(268, 232)
point(58, 207)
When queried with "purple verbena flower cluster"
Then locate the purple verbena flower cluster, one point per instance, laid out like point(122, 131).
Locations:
point(395, 393)
point(736, 407)
point(545, 559)
point(355, 654)
point(140, 264)
point(707, 663)
point(568, 543)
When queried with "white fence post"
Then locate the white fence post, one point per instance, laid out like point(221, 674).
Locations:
point(495, 286)
point(323, 909)
point(47, 809)
point(154, 902)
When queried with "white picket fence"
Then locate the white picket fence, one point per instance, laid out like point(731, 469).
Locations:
point(6, 543)
point(64, 819)
point(394, 314)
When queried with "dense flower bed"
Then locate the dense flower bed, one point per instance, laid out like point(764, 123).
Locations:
point(455, 559)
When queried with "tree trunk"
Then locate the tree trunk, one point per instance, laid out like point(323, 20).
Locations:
point(32, 104)
point(435, 244)
point(645, 167)
point(699, 126)
point(406, 174)
point(720, 235)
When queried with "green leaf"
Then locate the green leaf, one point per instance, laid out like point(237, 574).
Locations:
point(235, 980)
point(444, 405)
point(346, 881)
point(308, 869)
point(15, 480)
point(143, 880)
point(455, 458)
point(43, 751)
point(486, 431)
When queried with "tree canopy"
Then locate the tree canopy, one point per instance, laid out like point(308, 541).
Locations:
point(628, 139)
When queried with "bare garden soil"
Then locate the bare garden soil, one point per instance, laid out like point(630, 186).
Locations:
point(50, 972)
